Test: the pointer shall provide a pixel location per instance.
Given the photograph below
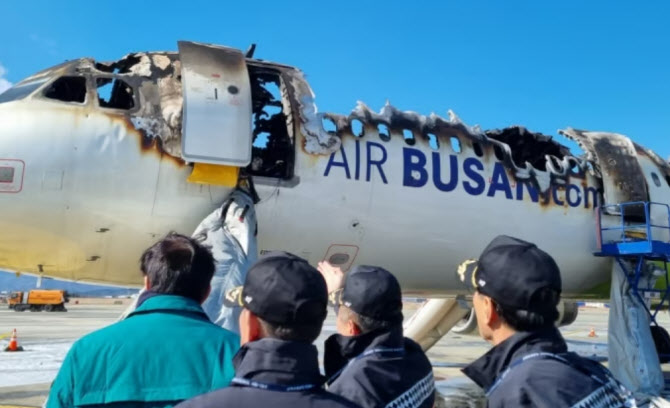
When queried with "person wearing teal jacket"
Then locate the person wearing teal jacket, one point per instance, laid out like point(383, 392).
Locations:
point(164, 352)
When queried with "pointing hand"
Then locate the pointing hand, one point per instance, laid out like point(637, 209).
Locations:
point(333, 275)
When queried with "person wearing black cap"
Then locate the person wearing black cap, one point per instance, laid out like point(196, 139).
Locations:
point(369, 361)
point(517, 287)
point(284, 302)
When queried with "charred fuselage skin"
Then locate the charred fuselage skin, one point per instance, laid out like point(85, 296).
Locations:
point(416, 194)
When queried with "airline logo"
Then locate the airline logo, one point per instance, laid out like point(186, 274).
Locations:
point(448, 173)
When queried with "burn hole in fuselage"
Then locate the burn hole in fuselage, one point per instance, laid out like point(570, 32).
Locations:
point(528, 147)
point(272, 149)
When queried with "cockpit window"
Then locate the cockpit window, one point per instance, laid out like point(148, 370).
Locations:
point(67, 89)
point(20, 91)
point(114, 93)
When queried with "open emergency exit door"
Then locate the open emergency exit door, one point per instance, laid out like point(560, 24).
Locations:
point(216, 126)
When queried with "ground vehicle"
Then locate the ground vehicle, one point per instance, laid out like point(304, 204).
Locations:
point(37, 300)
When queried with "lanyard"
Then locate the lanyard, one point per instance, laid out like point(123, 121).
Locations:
point(273, 387)
point(525, 358)
point(389, 352)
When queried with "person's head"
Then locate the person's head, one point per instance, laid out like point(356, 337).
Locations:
point(369, 300)
point(178, 265)
point(516, 286)
point(283, 297)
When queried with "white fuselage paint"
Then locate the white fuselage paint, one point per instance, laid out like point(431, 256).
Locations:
point(421, 234)
point(92, 200)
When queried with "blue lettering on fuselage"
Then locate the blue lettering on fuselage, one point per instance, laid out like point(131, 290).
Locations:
point(414, 164)
point(476, 185)
point(499, 182)
point(437, 173)
point(376, 163)
point(444, 172)
point(333, 163)
point(370, 147)
point(532, 191)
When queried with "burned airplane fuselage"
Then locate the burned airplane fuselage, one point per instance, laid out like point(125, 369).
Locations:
point(98, 173)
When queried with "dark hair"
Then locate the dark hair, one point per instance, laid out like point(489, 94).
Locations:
point(541, 317)
point(178, 265)
point(303, 333)
point(365, 323)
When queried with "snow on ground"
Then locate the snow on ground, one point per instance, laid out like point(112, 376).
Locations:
point(39, 363)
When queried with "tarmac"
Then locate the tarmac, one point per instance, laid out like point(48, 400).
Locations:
point(25, 377)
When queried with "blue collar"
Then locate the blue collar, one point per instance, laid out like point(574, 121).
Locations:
point(488, 367)
point(384, 352)
point(519, 361)
point(339, 349)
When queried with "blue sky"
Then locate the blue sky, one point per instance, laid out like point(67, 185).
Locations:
point(598, 65)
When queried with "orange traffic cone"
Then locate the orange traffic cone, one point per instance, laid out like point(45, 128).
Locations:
point(13, 343)
point(592, 333)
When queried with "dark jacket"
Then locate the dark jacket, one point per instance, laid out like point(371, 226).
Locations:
point(548, 376)
point(273, 364)
point(164, 352)
point(379, 369)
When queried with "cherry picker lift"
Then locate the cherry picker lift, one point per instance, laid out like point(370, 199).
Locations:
point(636, 235)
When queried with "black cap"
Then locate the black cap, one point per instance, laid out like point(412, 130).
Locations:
point(512, 272)
point(373, 292)
point(282, 288)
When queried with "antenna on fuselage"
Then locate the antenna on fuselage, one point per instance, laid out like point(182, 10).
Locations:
point(250, 51)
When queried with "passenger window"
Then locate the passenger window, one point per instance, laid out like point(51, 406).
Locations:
point(67, 89)
point(357, 128)
point(498, 151)
point(114, 93)
point(575, 169)
point(409, 137)
point(272, 149)
point(328, 125)
point(433, 141)
point(455, 144)
point(656, 179)
point(478, 149)
point(384, 132)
